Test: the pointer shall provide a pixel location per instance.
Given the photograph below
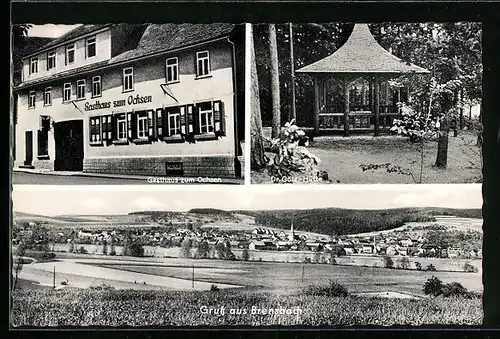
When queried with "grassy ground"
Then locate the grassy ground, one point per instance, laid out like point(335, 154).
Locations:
point(287, 277)
point(341, 158)
point(71, 307)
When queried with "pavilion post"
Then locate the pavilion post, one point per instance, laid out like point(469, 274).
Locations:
point(316, 106)
point(346, 106)
point(376, 103)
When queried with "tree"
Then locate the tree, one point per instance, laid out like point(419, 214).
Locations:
point(388, 262)
point(105, 247)
point(405, 263)
point(257, 160)
point(245, 255)
point(135, 249)
point(186, 248)
point(433, 286)
point(275, 82)
point(202, 250)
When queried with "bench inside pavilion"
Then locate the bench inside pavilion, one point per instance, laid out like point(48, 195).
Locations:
point(352, 92)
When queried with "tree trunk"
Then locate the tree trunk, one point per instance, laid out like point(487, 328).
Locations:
point(442, 152)
point(275, 82)
point(257, 159)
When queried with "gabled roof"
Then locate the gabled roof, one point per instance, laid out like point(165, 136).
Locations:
point(156, 38)
point(361, 54)
point(33, 43)
point(172, 36)
point(74, 33)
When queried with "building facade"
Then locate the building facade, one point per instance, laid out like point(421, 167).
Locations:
point(149, 100)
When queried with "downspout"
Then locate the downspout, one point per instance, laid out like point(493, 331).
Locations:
point(235, 102)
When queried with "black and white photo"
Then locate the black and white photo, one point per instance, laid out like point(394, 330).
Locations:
point(136, 256)
point(361, 103)
point(128, 103)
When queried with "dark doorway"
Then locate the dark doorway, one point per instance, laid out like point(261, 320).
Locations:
point(68, 137)
point(28, 159)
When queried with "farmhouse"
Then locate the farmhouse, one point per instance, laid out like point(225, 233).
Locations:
point(145, 99)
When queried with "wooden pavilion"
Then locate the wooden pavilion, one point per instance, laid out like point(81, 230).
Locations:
point(351, 86)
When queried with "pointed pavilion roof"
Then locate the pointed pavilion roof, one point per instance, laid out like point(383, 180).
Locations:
point(362, 54)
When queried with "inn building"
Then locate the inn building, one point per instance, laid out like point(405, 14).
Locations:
point(147, 99)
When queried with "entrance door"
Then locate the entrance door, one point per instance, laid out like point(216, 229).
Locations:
point(68, 137)
point(28, 158)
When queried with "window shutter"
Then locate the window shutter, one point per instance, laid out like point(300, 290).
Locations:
point(130, 127)
point(133, 125)
point(182, 110)
point(191, 118)
point(151, 129)
point(91, 124)
point(159, 123)
point(104, 125)
point(114, 127)
point(219, 117)
point(110, 127)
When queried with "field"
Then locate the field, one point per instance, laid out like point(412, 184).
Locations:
point(341, 158)
point(176, 274)
point(73, 307)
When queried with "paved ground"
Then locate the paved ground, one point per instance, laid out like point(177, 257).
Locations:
point(83, 276)
point(26, 178)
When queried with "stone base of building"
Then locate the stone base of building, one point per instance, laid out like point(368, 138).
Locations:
point(45, 165)
point(194, 166)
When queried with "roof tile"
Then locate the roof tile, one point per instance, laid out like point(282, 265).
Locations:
point(361, 54)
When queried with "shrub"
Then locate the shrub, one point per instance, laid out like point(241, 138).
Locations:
point(214, 288)
point(418, 266)
point(102, 287)
point(454, 289)
point(291, 154)
point(388, 263)
point(405, 263)
point(307, 260)
point(430, 267)
point(468, 267)
point(245, 256)
point(433, 286)
point(112, 252)
point(333, 289)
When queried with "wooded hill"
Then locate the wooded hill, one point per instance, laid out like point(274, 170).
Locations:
point(337, 221)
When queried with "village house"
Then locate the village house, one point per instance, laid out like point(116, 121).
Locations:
point(368, 249)
point(141, 99)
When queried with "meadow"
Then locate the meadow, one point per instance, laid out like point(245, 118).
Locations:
point(291, 277)
point(86, 307)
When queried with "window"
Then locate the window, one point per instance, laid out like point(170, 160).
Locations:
point(95, 130)
point(128, 79)
point(90, 47)
point(43, 136)
point(80, 89)
point(206, 117)
point(33, 65)
point(47, 97)
point(96, 86)
point(70, 54)
point(142, 125)
point(31, 99)
point(121, 126)
point(67, 92)
point(172, 70)
point(107, 128)
point(202, 64)
point(174, 121)
point(51, 60)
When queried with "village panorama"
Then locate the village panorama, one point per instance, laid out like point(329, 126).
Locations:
point(381, 255)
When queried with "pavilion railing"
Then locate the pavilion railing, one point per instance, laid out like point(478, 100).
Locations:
point(359, 120)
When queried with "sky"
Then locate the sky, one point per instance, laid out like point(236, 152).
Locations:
point(98, 200)
point(50, 30)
